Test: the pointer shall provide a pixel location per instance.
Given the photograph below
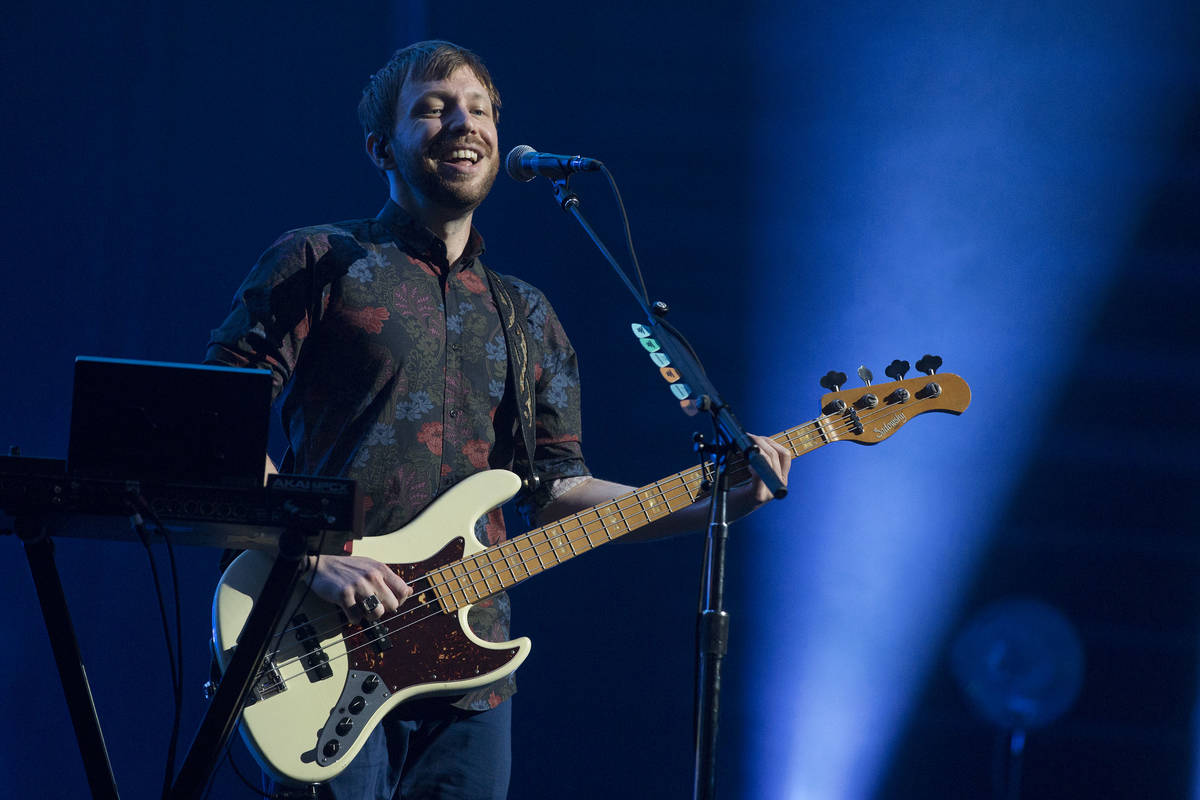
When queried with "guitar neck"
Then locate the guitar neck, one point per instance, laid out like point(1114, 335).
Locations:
point(497, 568)
point(866, 415)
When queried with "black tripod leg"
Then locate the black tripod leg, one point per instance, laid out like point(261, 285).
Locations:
point(39, 549)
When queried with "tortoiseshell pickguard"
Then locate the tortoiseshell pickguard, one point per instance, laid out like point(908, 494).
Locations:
point(427, 644)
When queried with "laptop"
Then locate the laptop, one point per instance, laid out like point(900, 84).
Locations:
point(159, 422)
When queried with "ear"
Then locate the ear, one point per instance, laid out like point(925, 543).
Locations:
point(379, 150)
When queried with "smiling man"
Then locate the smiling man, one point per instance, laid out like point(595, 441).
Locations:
point(398, 361)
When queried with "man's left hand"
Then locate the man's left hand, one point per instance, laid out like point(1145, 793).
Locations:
point(746, 498)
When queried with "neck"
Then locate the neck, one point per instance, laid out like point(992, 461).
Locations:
point(452, 226)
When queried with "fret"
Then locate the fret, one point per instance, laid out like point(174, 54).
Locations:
point(654, 505)
point(437, 584)
point(825, 430)
point(467, 581)
point(544, 549)
point(498, 567)
point(567, 531)
point(598, 528)
point(516, 566)
point(503, 567)
point(806, 441)
point(612, 524)
point(570, 539)
point(452, 586)
point(562, 547)
point(633, 512)
point(456, 599)
point(460, 583)
point(680, 491)
point(526, 550)
point(487, 574)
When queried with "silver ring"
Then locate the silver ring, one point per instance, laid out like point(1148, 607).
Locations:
point(369, 603)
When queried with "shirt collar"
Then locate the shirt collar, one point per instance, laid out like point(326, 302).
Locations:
point(422, 242)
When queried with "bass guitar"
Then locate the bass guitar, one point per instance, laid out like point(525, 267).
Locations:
point(327, 682)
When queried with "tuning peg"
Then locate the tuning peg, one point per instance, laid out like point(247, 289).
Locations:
point(865, 374)
point(896, 370)
point(929, 364)
point(833, 380)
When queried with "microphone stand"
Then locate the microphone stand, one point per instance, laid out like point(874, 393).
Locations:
point(712, 624)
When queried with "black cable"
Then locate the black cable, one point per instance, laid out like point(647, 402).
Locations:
point(173, 745)
point(174, 655)
point(241, 776)
point(686, 344)
point(637, 268)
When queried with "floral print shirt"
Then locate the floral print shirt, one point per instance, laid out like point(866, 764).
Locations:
point(391, 368)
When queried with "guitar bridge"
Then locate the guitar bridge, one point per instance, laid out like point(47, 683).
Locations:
point(268, 683)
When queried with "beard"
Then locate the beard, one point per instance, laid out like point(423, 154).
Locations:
point(420, 172)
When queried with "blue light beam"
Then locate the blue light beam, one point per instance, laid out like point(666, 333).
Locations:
point(942, 179)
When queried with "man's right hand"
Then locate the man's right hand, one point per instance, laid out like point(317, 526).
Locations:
point(348, 581)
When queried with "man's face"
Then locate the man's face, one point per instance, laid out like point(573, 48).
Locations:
point(445, 141)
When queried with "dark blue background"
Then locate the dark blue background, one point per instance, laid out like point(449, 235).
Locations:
point(765, 154)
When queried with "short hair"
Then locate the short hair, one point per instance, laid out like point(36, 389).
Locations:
point(423, 61)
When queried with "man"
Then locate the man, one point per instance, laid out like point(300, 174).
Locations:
point(393, 366)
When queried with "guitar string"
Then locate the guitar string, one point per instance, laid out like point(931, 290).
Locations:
point(740, 469)
point(788, 437)
point(678, 492)
point(410, 609)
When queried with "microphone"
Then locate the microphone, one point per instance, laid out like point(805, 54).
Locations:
point(524, 164)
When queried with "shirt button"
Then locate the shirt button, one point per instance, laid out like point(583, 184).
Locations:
point(454, 412)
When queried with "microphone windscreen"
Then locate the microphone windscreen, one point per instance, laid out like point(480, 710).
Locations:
point(513, 165)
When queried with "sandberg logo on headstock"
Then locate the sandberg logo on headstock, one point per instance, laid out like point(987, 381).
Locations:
point(893, 423)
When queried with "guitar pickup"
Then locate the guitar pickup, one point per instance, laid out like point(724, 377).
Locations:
point(315, 660)
point(316, 666)
point(379, 637)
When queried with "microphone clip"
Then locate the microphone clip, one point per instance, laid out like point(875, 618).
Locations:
point(566, 198)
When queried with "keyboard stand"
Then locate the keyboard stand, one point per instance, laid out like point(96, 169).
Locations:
point(39, 549)
point(221, 717)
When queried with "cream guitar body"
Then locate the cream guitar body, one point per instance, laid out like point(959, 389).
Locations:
point(327, 683)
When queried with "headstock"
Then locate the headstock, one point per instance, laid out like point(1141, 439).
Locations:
point(873, 412)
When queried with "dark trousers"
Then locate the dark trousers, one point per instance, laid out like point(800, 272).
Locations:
point(429, 750)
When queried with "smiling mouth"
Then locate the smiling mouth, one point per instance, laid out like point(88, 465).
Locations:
point(461, 156)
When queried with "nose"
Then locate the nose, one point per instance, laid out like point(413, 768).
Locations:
point(461, 119)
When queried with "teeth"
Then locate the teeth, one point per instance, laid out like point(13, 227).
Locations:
point(470, 155)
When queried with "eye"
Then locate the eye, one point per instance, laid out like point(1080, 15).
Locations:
point(429, 111)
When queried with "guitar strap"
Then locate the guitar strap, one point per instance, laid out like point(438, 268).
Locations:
point(520, 367)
